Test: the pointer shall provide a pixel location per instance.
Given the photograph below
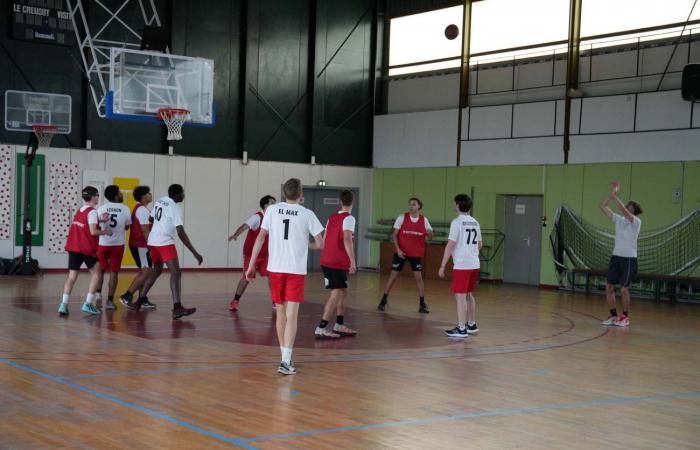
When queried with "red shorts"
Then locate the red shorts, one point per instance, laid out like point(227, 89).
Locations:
point(163, 254)
point(286, 287)
point(464, 281)
point(260, 265)
point(110, 257)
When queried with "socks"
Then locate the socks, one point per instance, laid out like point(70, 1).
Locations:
point(237, 297)
point(110, 298)
point(422, 300)
point(385, 297)
point(471, 323)
point(624, 313)
point(286, 355)
point(90, 298)
point(461, 326)
point(323, 324)
point(613, 312)
point(65, 298)
point(340, 320)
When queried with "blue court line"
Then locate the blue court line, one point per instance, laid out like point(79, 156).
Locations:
point(127, 404)
point(547, 407)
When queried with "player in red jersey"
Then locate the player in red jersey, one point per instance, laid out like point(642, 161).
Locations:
point(289, 225)
point(410, 231)
point(138, 245)
point(110, 250)
point(253, 227)
point(81, 246)
point(337, 260)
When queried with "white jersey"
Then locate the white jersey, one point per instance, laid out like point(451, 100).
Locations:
point(167, 216)
point(289, 227)
point(465, 232)
point(626, 234)
point(119, 218)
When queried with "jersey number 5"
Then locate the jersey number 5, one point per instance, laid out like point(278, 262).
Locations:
point(112, 220)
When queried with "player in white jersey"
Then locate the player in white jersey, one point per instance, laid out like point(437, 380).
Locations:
point(110, 250)
point(463, 245)
point(288, 225)
point(167, 223)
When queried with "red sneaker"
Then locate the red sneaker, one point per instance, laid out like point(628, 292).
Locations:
point(623, 321)
point(233, 306)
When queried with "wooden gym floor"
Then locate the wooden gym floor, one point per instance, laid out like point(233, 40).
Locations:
point(542, 373)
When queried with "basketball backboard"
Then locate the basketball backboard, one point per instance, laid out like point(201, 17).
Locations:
point(24, 109)
point(142, 82)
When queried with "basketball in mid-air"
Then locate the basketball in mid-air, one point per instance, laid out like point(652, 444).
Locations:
point(451, 31)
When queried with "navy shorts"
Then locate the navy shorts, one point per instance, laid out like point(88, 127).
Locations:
point(622, 270)
point(398, 263)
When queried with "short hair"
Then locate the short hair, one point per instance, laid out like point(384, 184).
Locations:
point(140, 192)
point(266, 200)
point(111, 192)
point(292, 189)
point(346, 198)
point(174, 190)
point(420, 203)
point(636, 207)
point(464, 203)
point(89, 192)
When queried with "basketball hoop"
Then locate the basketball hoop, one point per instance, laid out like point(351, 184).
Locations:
point(174, 119)
point(44, 133)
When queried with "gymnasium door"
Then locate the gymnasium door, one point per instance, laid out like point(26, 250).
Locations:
point(325, 202)
point(521, 260)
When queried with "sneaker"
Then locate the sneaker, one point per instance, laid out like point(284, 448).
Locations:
point(473, 328)
point(325, 333)
point(134, 306)
point(382, 305)
point(622, 321)
point(610, 321)
point(456, 332)
point(110, 306)
point(233, 306)
point(90, 309)
point(147, 304)
point(126, 299)
point(286, 369)
point(343, 330)
point(98, 300)
point(63, 309)
point(181, 311)
point(423, 309)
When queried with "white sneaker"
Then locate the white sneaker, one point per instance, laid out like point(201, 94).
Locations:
point(325, 333)
point(610, 321)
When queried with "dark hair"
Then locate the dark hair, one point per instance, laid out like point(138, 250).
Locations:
point(112, 192)
point(292, 189)
point(346, 198)
point(636, 207)
point(266, 200)
point(174, 190)
point(89, 192)
point(140, 192)
point(420, 203)
point(464, 203)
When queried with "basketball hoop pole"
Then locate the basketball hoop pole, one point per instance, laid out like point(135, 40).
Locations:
point(26, 265)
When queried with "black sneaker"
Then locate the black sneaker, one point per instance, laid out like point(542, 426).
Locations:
point(147, 304)
point(456, 332)
point(423, 309)
point(286, 369)
point(382, 305)
point(181, 311)
point(473, 328)
point(110, 306)
point(126, 299)
point(134, 306)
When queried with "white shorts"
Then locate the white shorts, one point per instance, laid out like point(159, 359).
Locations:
point(142, 257)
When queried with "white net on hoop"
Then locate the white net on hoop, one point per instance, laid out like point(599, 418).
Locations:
point(174, 119)
point(44, 133)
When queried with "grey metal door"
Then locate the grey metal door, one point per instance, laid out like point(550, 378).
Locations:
point(521, 259)
point(325, 202)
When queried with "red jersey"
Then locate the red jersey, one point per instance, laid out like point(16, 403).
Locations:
point(136, 237)
point(79, 238)
point(333, 254)
point(412, 236)
point(250, 240)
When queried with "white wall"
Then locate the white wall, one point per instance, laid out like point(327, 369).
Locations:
point(220, 195)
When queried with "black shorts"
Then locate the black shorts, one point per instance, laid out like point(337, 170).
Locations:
point(335, 278)
point(76, 260)
point(142, 256)
point(416, 263)
point(621, 270)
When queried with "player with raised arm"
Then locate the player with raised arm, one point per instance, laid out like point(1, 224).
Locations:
point(623, 262)
point(167, 223)
point(463, 245)
point(288, 225)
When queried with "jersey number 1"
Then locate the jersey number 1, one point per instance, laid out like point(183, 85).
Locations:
point(286, 229)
